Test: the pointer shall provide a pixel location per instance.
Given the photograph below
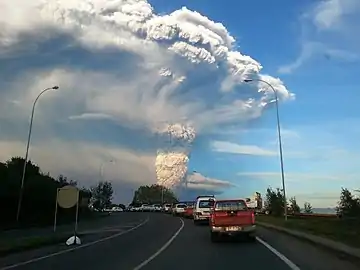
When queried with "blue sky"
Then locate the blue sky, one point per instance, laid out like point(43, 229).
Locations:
point(319, 124)
point(129, 71)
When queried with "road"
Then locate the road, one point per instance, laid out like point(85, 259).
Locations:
point(160, 241)
point(86, 224)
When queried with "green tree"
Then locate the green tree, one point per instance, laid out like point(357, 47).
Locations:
point(39, 195)
point(294, 207)
point(348, 206)
point(153, 194)
point(308, 208)
point(102, 195)
point(274, 201)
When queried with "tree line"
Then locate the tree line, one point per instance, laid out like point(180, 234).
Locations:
point(348, 205)
point(39, 197)
point(153, 194)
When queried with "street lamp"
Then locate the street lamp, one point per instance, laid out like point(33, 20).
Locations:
point(279, 138)
point(27, 151)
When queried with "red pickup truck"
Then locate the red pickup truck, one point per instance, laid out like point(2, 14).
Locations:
point(231, 218)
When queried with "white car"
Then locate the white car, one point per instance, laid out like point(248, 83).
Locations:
point(157, 208)
point(167, 207)
point(179, 209)
point(202, 207)
point(144, 207)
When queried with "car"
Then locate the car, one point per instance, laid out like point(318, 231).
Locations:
point(144, 207)
point(172, 208)
point(157, 208)
point(202, 207)
point(167, 208)
point(231, 218)
point(179, 209)
point(189, 210)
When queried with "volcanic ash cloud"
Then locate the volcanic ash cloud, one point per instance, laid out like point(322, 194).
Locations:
point(172, 162)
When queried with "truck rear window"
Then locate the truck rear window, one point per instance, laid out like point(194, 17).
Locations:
point(206, 203)
point(230, 205)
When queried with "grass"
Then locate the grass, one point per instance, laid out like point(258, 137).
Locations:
point(345, 231)
point(13, 246)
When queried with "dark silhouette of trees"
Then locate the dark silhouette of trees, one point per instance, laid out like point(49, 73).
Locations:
point(39, 195)
point(274, 201)
point(348, 206)
point(294, 207)
point(308, 208)
point(102, 195)
point(153, 195)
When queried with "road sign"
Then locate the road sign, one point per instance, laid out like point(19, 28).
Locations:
point(67, 196)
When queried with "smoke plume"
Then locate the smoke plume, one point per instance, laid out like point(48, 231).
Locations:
point(171, 162)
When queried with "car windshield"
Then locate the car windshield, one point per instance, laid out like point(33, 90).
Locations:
point(230, 205)
point(181, 206)
point(206, 203)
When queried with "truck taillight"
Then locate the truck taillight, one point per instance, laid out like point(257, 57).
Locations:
point(253, 218)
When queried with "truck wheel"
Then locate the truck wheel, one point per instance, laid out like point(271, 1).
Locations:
point(214, 237)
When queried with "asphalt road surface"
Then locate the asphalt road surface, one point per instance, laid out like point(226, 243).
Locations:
point(162, 242)
point(87, 224)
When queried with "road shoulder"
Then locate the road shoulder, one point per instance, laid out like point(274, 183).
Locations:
point(304, 254)
point(317, 240)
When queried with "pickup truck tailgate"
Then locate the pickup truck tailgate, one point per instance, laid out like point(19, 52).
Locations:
point(232, 217)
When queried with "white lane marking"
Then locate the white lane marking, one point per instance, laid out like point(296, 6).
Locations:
point(157, 253)
point(74, 248)
point(282, 257)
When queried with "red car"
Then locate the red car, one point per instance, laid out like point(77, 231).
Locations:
point(231, 218)
point(189, 211)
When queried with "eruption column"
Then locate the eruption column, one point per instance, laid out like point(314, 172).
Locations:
point(171, 162)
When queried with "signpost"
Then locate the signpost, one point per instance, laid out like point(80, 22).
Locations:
point(68, 197)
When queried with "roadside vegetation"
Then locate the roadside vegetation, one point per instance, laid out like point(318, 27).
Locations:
point(154, 194)
point(40, 189)
point(342, 226)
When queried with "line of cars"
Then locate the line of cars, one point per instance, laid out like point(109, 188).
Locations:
point(146, 208)
point(224, 217)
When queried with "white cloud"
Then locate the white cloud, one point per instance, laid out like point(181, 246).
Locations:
point(293, 177)
point(233, 148)
point(90, 116)
point(120, 61)
point(330, 14)
point(198, 181)
point(328, 30)
point(84, 159)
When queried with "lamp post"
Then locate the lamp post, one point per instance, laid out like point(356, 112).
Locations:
point(101, 169)
point(27, 151)
point(279, 138)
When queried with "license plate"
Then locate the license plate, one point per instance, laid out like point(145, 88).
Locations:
point(233, 229)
